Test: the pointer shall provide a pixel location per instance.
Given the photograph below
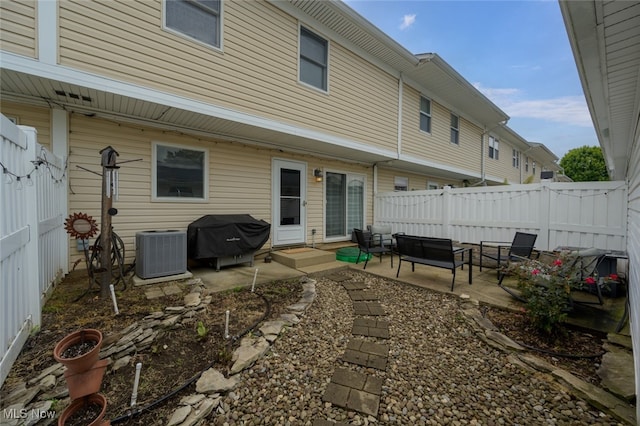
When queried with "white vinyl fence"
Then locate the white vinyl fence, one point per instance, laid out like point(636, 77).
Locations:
point(33, 242)
point(576, 214)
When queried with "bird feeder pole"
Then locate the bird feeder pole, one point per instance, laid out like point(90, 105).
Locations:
point(109, 185)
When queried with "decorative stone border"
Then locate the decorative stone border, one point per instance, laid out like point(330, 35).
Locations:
point(49, 385)
point(594, 395)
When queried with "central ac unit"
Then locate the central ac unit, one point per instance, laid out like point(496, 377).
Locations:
point(161, 253)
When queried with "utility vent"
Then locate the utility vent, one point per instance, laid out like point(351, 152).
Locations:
point(161, 253)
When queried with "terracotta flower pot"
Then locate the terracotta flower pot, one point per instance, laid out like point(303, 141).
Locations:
point(78, 405)
point(85, 361)
point(87, 382)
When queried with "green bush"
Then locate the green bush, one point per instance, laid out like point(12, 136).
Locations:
point(545, 288)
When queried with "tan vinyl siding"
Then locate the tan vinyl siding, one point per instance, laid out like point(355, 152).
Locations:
point(502, 168)
point(239, 180)
point(436, 146)
point(18, 27)
point(257, 73)
point(27, 115)
point(417, 182)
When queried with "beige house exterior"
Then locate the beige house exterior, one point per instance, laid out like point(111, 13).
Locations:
point(294, 112)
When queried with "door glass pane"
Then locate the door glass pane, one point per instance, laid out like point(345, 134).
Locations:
point(289, 211)
point(355, 203)
point(289, 197)
point(289, 183)
point(336, 204)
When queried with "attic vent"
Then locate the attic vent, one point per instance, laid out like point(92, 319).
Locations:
point(73, 95)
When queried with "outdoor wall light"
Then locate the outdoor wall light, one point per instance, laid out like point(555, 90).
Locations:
point(317, 173)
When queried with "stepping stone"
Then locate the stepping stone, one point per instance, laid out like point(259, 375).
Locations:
point(366, 354)
point(368, 308)
point(360, 285)
point(337, 277)
point(371, 328)
point(360, 295)
point(354, 391)
point(323, 422)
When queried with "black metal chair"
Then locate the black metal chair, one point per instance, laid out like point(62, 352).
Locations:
point(520, 248)
point(366, 245)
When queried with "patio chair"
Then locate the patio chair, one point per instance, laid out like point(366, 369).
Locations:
point(381, 235)
point(365, 245)
point(520, 248)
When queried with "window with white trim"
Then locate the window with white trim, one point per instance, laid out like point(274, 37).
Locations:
point(400, 183)
point(425, 114)
point(432, 185)
point(196, 19)
point(455, 129)
point(179, 173)
point(526, 164)
point(516, 158)
point(314, 58)
point(494, 148)
point(533, 166)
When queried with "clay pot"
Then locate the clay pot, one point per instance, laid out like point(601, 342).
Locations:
point(78, 405)
point(87, 382)
point(83, 362)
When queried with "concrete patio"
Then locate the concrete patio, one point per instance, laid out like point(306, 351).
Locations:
point(605, 318)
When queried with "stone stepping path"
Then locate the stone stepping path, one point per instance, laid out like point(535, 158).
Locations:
point(355, 391)
point(360, 285)
point(350, 389)
point(367, 354)
point(371, 327)
point(368, 308)
point(361, 295)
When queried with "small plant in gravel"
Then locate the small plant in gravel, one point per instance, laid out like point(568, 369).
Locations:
point(202, 330)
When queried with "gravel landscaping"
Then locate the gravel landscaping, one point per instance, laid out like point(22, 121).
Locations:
point(439, 371)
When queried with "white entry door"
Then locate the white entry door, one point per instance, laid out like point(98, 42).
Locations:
point(289, 202)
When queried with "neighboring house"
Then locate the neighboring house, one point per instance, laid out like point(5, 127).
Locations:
point(605, 37)
point(296, 112)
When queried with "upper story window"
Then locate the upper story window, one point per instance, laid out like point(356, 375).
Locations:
point(494, 148)
point(314, 58)
point(516, 158)
point(455, 129)
point(425, 114)
point(197, 19)
point(179, 173)
point(401, 183)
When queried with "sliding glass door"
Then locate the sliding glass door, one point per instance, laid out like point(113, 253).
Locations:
point(344, 204)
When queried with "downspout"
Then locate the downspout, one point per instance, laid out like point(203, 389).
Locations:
point(400, 92)
point(482, 160)
point(375, 191)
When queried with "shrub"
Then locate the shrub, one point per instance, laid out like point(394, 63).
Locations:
point(545, 289)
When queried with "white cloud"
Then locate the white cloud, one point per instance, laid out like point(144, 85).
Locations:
point(571, 110)
point(407, 21)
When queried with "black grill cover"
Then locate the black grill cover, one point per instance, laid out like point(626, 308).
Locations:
point(225, 235)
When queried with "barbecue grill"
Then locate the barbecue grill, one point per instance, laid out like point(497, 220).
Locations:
point(226, 239)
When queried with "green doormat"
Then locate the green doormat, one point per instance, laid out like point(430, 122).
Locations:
point(350, 254)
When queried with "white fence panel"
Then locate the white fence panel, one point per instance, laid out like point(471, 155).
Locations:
point(52, 237)
point(586, 214)
point(27, 264)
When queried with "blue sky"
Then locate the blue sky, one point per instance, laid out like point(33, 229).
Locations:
point(516, 52)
